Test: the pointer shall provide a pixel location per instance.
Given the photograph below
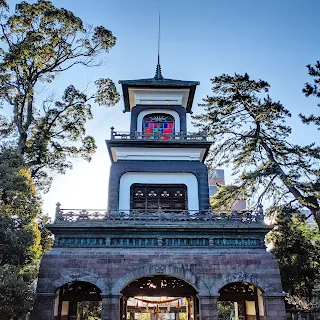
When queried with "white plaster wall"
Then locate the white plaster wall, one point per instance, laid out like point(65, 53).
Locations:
point(130, 178)
point(189, 154)
point(151, 111)
point(158, 96)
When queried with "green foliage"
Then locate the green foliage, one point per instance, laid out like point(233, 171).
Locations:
point(312, 89)
point(226, 310)
point(10, 180)
point(21, 238)
point(250, 133)
point(39, 41)
point(297, 249)
point(15, 293)
point(46, 237)
point(19, 241)
point(89, 310)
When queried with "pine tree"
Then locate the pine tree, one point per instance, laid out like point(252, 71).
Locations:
point(251, 135)
point(312, 89)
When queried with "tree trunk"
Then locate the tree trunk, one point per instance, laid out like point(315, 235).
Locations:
point(309, 202)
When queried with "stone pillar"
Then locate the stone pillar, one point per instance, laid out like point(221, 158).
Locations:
point(110, 307)
point(44, 307)
point(274, 307)
point(208, 307)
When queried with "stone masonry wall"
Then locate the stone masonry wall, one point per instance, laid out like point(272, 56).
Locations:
point(208, 270)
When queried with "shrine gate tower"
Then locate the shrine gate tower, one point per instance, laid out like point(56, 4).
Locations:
point(158, 251)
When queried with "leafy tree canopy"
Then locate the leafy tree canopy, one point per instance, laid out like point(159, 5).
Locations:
point(250, 133)
point(296, 245)
point(15, 293)
point(22, 240)
point(39, 42)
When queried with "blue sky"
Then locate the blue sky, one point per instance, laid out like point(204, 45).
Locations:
point(273, 40)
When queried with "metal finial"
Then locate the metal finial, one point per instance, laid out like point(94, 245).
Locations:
point(158, 75)
point(57, 211)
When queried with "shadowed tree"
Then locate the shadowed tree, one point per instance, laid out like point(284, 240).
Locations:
point(250, 134)
point(39, 42)
point(296, 246)
point(21, 240)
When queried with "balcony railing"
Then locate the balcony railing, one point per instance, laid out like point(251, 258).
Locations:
point(87, 215)
point(181, 136)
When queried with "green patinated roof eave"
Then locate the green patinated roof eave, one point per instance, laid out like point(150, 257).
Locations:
point(130, 227)
point(158, 144)
point(156, 83)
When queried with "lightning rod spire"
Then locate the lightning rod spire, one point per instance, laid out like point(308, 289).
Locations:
point(158, 75)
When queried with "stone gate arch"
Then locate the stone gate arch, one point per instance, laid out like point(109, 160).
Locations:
point(174, 271)
point(75, 298)
point(240, 277)
point(92, 278)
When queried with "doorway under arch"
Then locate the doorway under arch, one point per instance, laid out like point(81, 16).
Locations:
point(240, 301)
point(78, 300)
point(159, 297)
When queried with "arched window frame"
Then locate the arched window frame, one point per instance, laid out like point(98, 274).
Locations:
point(156, 125)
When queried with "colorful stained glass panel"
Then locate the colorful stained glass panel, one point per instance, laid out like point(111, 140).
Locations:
point(156, 123)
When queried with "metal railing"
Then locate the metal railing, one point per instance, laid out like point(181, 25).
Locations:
point(181, 136)
point(78, 215)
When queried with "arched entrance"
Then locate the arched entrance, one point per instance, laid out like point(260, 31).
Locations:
point(78, 300)
point(159, 297)
point(240, 301)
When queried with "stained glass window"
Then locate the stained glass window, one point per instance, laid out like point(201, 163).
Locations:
point(158, 125)
point(154, 197)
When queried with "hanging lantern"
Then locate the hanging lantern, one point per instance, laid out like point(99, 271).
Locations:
point(168, 308)
point(157, 308)
point(178, 305)
point(147, 308)
point(137, 305)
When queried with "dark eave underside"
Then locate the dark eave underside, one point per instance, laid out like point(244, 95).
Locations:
point(158, 144)
point(156, 83)
point(159, 83)
point(143, 228)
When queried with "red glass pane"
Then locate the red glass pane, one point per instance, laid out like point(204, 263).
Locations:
point(149, 130)
point(157, 123)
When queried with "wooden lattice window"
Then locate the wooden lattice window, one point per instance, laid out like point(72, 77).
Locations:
point(158, 124)
point(154, 197)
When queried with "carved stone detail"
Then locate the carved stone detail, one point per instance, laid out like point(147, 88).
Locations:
point(159, 269)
